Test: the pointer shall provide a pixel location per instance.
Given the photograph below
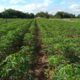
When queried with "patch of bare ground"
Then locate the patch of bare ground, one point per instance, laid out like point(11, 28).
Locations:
point(40, 61)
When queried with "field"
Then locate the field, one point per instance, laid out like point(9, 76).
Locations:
point(40, 49)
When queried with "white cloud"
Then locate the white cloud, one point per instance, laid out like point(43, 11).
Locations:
point(55, 11)
point(13, 1)
point(1, 8)
point(27, 7)
point(16, 1)
point(47, 2)
point(75, 7)
point(37, 7)
point(30, 7)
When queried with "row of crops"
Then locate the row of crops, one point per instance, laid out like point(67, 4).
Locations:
point(60, 42)
point(15, 49)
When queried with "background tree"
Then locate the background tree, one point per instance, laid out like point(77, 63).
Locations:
point(78, 16)
point(10, 13)
point(42, 14)
point(64, 15)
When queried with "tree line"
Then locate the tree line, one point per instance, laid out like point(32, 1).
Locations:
point(11, 13)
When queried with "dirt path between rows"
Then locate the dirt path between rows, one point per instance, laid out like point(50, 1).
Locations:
point(40, 61)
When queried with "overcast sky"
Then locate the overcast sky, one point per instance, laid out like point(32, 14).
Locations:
point(52, 6)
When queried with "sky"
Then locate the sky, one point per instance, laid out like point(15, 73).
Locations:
point(34, 6)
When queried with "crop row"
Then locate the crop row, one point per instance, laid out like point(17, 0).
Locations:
point(61, 41)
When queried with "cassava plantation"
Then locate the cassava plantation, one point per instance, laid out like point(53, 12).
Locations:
point(39, 49)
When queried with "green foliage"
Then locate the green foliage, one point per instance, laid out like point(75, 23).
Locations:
point(67, 72)
point(11, 13)
point(64, 15)
point(14, 66)
point(15, 52)
point(13, 40)
point(60, 40)
point(42, 14)
point(56, 60)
